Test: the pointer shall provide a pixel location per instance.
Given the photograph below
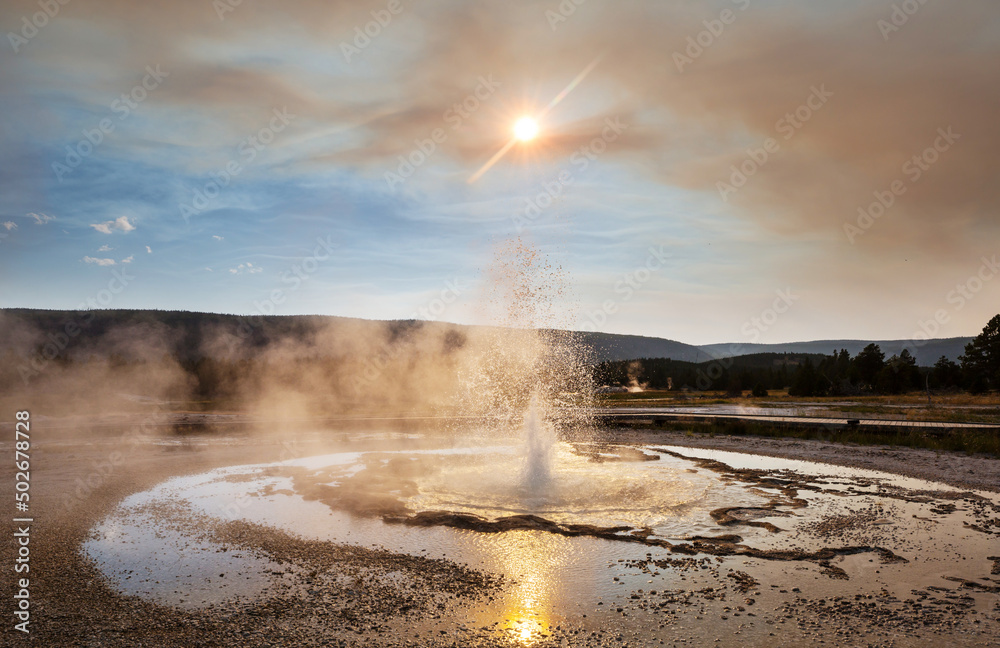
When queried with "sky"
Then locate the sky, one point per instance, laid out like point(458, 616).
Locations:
point(721, 171)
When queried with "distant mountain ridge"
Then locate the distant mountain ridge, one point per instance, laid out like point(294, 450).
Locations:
point(189, 328)
point(612, 346)
point(926, 352)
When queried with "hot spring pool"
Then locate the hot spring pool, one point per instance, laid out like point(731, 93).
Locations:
point(596, 531)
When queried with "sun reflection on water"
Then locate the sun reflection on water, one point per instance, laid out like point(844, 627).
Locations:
point(536, 560)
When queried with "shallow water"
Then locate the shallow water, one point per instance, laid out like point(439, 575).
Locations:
point(151, 545)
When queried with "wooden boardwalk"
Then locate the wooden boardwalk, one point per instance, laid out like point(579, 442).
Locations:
point(659, 415)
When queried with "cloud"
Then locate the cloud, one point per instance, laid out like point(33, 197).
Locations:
point(128, 259)
point(40, 219)
point(245, 268)
point(687, 128)
point(105, 248)
point(121, 223)
point(217, 237)
point(101, 262)
point(149, 250)
point(10, 225)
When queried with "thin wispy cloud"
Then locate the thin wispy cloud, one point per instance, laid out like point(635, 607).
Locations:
point(121, 224)
point(245, 268)
point(217, 237)
point(105, 248)
point(149, 250)
point(40, 219)
point(99, 262)
point(10, 225)
point(128, 259)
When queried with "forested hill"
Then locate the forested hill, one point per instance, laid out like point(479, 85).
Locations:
point(926, 352)
point(186, 334)
point(190, 335)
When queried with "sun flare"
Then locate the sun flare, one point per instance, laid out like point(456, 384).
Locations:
point(526, 129)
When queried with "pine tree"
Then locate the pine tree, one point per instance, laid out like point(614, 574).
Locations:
point(981, 360)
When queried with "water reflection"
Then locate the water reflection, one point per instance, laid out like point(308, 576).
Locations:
point(601, 490)
point(536, 561)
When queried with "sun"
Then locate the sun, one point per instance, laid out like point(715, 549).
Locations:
point(525, 129)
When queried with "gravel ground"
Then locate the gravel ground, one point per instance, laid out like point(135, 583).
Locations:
point(72, 605)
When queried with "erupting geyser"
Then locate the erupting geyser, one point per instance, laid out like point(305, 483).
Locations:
point(539, 442)
point(527, 378)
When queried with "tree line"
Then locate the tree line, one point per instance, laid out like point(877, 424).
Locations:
point(838, 374)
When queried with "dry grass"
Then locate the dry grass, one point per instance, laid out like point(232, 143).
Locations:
point(776, 398)
point(957, 440)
